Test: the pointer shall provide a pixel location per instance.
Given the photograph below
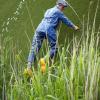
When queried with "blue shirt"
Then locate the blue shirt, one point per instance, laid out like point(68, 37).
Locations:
point(51, 19)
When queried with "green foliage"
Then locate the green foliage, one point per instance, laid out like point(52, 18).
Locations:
point(74, 76)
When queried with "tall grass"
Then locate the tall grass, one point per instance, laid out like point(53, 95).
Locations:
point(75, 75)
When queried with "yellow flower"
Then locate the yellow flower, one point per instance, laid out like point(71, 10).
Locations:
point(28, 72)
point(43, 69)
point(43, 65)
point(42, 62)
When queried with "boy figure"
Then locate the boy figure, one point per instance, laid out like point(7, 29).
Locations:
point(47, 30)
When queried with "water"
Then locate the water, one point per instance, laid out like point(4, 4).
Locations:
point(12, 18)
point(20, 18)
point(75, 13)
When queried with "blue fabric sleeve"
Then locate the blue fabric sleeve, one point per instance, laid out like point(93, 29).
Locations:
point(65, 20)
